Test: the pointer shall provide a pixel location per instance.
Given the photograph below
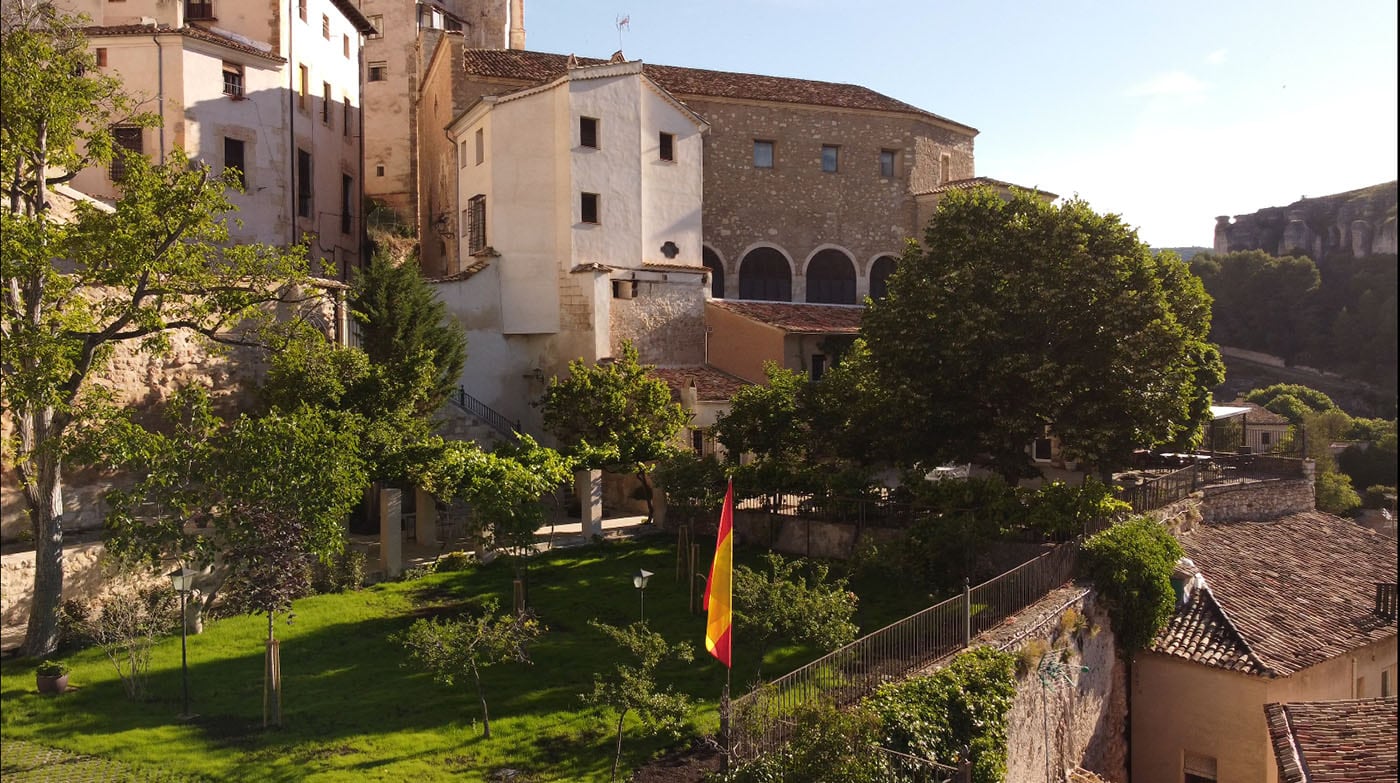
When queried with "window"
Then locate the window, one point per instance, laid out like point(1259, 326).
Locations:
point(304, 86)
point(101, 57)
point(234, 165)
point(462, 155)
point(345, 46)
point(588, 132)
point(476, 223)
point(1264, 438)
point(303, 183)
point(199, 9)
point(378, 71)
point(123, 138)
point(301, 9)
point(233, 80)
point(818, 366)
point(945, 167)
point(377, 21)
point(887, 163)
point(830, 156)
point(697, 441)
point(345, 109)
point(379, 169)
point(1385, 685)
point(588, 208)
point(1198, 769)
point(1041, 450)
point(762, 154)
point(325, 27)
point(668, 146)
point(347, 202)
point(326, 102)
point(480, 146)
point(624, 289)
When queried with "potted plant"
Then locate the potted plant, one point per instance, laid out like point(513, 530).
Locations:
point(51, 677)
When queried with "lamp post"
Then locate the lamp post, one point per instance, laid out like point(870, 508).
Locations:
point(639, 581)
point(181, 580)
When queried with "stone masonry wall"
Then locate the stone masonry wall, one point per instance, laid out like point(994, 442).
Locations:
point(83, 580)
point(1257, 501)
point(665, 320)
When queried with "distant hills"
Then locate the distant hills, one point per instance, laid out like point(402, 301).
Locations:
point(1186, 253)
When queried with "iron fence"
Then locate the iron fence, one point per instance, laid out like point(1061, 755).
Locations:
point(1162, 490)
point(761, 719)
point(486, 414)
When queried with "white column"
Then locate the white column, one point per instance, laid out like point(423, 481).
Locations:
point(390, 532)
point(588, 485)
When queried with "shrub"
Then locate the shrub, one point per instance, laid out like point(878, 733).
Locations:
point(1131, 565)
point(1061, 511)
point(454, 561)
point(1335, 494)
point(49, 668)
point(126, 628)
point(1028, 657)
point(344, 573)
point(829, 746)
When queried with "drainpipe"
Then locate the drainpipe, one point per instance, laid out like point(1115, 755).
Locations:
point(291, 127)
point(160, 91)
point(363, 233)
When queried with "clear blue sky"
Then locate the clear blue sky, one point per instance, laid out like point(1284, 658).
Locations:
point(1165, 113)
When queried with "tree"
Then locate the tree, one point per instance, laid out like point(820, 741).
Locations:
point(786, 604)
point(452, 649)
point(1131, 565)
point(1018, 316)
point(73, 291)
point(631, 685)
point(765, 420)
point(1262, 302)
point(613, 415)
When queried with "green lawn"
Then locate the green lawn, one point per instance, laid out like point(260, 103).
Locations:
point(352, 712)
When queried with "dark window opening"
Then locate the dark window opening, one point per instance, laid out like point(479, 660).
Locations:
point(624, 289)
point(301, 9)
point(670, 250)
point(762, 154)
point(101, 57)
point(303, 183)
point(711, 261)
point(887, 163)
point(831, 156)
point(476, 224)
point(378, 71)
point(325, 27)
point(880, 272)
point(379, 169)
point(199, 10)
point(326, 102)
point(588, 208)
point(588, 132)
point(764, 274)
point(123, 139)
point(668, 146)
point(347, 203)
point(697, 441)
point(345, 45)
point(234, 150)
point(377, 22)
point(233, 80)
point(818, 366)
point(1041, 450)
point(831, 278)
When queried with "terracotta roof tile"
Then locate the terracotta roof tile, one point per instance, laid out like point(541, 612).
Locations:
point(537, 67)
point(1258, 414)
point(1296, 591)
point(197, 33)
point(711, 384)
point(1334, 741)
point(977, 182)
point(797, 318)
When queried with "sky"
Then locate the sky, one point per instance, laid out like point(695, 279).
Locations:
point(1166, 113)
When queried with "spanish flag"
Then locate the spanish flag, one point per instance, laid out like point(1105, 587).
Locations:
point(718, 590)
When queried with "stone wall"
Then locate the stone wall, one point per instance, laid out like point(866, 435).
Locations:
point(1356, 223)
point(83, 580)
point(1071, 706)
point(665, 320)
point(1257, 500)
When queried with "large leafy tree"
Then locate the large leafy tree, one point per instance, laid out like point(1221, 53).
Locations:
point(614, 415)
point(1020, 315)
point(74, 290)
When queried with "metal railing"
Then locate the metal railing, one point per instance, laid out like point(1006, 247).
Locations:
point(1168, 488)
point(486, 414)
point(761, 719)
point(1163, 490)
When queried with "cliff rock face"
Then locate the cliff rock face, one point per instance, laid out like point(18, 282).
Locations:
point(1357, 223)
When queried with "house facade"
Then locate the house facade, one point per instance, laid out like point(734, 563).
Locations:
point(276, 96)
point(1284, 611)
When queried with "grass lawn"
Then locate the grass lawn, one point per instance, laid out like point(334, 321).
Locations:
point(353, 712)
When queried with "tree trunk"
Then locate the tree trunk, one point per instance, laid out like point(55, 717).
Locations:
point(617, 757)
point(42, 476)
point(647, 494)
point(481, 697)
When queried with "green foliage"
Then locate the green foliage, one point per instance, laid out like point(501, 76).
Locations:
point(404, 325)
point(454, 561)
point(963, 705)
point(344, 572)
point(764, 420)
point(51, 668)
point(1370, 463)
point(453, 649)
point(631, 687)
point(1335, 494)
point(1258, 298)
point(694, 485)
point(1131, 565)
point(962, 520)
point(1291, 400)
point(829, 745)
point(787, 604)
point(1379, 496)
point(1059, 510)
point(127, 626)
point(1022, 314)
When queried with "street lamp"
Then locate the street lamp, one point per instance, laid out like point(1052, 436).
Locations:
point(639, 581)
point(182, 579)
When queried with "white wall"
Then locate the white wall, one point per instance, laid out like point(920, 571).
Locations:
point(672, 191)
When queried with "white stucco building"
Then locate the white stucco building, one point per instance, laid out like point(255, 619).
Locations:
point(272, 89)
point(579, 227)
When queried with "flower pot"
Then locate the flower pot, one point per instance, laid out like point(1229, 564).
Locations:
point(50, 683)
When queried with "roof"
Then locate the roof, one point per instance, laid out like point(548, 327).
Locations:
point(197, 33)
point(797, 318)
point(539, 67)
point(1334, 741)
point(981, 182)
point(1283, 595)
point(711, 384)
point(355, 16)
point(1258, 414)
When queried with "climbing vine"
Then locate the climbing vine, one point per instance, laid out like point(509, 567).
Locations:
point(1131, 566)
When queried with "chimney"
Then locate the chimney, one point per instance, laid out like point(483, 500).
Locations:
point(517, 24)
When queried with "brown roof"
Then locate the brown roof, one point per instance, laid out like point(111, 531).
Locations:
point(978, 182)
point(537, 67)
point(1334, 741)
point(711, 385)
point(1291, 593)
point(197, 33)
point(1258, 414)
point(797, 318)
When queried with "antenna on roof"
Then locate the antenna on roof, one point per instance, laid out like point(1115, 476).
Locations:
point(624, 22)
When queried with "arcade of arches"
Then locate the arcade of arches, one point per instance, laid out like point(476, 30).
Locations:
point(765, 274)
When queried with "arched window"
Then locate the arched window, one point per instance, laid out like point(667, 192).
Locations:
point(831, 278)
point(764, 274)
point(880, 272)
point(711, 261)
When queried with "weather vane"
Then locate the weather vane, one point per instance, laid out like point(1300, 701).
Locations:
point(624, 22)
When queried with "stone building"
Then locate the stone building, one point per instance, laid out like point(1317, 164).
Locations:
point(271, 90)
point(406, 35)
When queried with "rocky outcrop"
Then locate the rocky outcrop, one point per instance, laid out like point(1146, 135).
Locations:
point(1357, 223)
